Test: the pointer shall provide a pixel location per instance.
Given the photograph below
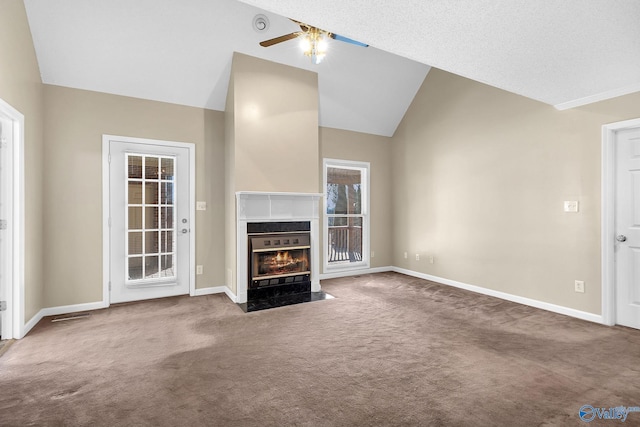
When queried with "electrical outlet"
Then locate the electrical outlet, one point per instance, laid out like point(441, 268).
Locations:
point(406, 255)
point(571, 206)
point(430, 259)
point(579, 286)
point(417, 257)
point(373, 254)
point(198, 269)
point(201, 206)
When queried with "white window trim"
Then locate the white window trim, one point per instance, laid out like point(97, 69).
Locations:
point(366, 221)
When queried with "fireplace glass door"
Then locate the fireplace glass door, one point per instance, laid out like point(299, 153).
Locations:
point(280, 263)
point(275, 256)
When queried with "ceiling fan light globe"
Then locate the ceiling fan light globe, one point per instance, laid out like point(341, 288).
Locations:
point(305, 44)
point(322, 45)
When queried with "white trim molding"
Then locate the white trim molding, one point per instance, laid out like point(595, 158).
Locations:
point(598, 97)
point(15, 190)
point(365, 168)
point(608, 217)
point(355, 272)
point(505, 296)
point(106, 235)
point(216, 290)
point(64, 309)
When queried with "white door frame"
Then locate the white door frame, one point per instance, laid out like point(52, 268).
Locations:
point(106, 236)
point(15, 327)
point(608, 217)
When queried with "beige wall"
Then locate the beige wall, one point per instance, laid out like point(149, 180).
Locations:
point(480, 176)
point(75, 121)
point(276, 126)
point(362, 147)
point(21, 87)
point(230, 188)
point(272, 135)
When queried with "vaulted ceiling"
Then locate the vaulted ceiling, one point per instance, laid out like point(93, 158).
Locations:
point(563, 53)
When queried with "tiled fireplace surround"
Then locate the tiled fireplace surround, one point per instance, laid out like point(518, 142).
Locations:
point(274, 207)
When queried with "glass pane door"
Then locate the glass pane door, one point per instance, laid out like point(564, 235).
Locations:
point(150, 219)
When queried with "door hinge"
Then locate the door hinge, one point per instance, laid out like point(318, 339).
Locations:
point(3, 305)
point(3, 224)
point(109, 285)
point(109, 158)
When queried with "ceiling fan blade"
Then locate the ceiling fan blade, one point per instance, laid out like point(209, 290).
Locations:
point(304, 27)
point(280, 39)
point(347, 40)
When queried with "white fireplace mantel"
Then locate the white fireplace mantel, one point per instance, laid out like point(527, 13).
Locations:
point(253, 206)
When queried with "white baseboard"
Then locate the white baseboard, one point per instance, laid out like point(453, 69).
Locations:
point(230, 294)
point(209, 291)
point(63, 309)
point(30, 324)
point(216, 290)
point(596, 318)
point(355, 272)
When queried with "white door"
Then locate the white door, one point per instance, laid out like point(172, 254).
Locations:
point(150, 216)
point(627, 218)
point(6, 132)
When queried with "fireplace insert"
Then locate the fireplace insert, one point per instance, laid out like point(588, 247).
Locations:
point(279, 261)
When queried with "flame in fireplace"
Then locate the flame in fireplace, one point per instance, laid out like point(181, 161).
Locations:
point(280, 262)
point(283, 258)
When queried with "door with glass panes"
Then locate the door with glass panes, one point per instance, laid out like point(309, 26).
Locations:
point(150, 227)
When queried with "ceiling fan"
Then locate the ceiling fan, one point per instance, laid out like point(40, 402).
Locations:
point(313, 41)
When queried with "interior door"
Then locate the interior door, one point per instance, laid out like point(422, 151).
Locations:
point(5, 135)
point(627, 227)
point(149, 209)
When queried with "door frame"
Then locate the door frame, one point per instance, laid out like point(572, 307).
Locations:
point(15, 327)
point(106, 235)
point(608, 217)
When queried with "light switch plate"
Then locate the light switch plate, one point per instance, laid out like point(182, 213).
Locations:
point(571, 206)
point(201, 206)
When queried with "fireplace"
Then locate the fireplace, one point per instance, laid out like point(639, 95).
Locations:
point(277, 249)
point(279, 259)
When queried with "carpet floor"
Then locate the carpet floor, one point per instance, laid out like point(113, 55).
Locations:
point(389, 350)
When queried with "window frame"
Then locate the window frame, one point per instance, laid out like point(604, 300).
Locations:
point(365, 170)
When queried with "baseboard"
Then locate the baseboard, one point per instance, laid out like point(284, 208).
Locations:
point(355, 272)
point(596, 318)
point(230, 294)
point(30, 324)
point(63, 309)
point(216, 290)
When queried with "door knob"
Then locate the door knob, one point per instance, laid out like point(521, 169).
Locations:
point(621, 238)
point(184, 231)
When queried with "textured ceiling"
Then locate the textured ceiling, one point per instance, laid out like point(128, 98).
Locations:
point(180, 51)
point(561, 52)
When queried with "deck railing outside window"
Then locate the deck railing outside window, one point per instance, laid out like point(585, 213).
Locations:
point(344, 215)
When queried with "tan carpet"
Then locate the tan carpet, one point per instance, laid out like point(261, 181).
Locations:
point(389, 350)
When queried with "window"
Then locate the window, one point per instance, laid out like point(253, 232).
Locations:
point(346, 214)
point(151, 230)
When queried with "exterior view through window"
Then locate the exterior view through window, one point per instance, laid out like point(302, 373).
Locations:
point(346, 230)
point(151, 227)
